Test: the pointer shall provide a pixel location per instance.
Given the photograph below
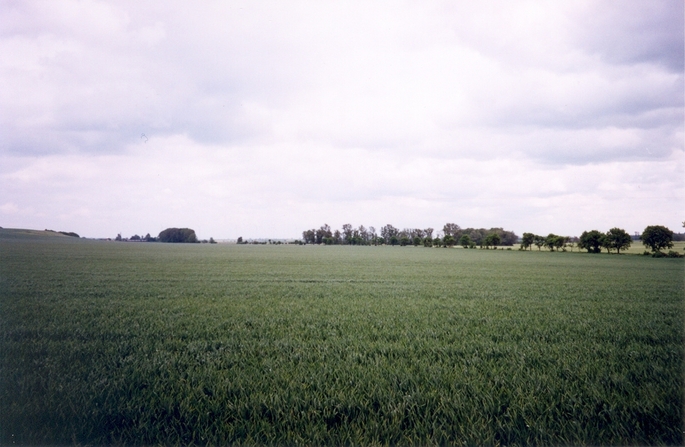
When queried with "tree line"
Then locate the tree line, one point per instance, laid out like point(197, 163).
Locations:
point(452, 234)
point(171, 235)
point(655, 237)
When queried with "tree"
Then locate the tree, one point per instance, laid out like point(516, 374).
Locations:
point(437, 242)
point(618, 239)
point(451, 229)
point(591, 241)
point(347, 233)
point(606, 243)
point(178, 235)
point(309, 236)
point(389, 231)
point(553, 241)
point(321, 233)
point(240, 240)
point(465, 241)
point(118, 238)
point(527, 240)
point(495, 240)
point(492, 240)
point(657, 237)
point(539, 241)
point(448, 240)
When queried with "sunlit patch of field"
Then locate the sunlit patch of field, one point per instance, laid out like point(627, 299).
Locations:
point(124, 343)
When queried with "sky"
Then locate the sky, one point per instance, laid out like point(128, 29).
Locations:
point(262, 119)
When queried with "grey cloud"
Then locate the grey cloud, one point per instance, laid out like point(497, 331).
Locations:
point(633, 32)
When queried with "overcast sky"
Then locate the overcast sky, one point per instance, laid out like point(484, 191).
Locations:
point(263, 119)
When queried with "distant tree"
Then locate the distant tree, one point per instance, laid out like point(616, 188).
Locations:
point(212, 241)
point(538, 241)
point(373, 235)
point(427, 241)
point(135, 237)
point(465, 240)
point(148, 238)
point(554, 241)
point(591, 241)
point(240, 240)
point(451, 229)
point(657, 237)
point(618, 239)
point(527, 240)
point(347, 233)
point(394, 240)
point(417, 241)
point(178, 235)
point(321, 233)
point(309, 236)
point(492, 240)
point(389, 231)
point(437, 242)
point(118, 238)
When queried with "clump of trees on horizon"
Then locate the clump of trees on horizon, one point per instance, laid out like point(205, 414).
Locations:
point(656, 237)
point(390, 235)
point(170, 235)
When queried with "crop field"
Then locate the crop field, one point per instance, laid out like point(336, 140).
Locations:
point(142, 343)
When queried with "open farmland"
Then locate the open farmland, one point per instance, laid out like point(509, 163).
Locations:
point(125, 343)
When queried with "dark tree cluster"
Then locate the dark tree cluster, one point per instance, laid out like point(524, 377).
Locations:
point(658, 237)
point(552, 241)
point(481, 237)
point(615, 239)
point(174, 235)
point(391, 235)
point(136, 238)
point(178, 235)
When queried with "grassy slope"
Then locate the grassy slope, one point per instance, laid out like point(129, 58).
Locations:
point(107, 342)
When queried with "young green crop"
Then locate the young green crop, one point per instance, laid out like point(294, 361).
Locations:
point(124, 343)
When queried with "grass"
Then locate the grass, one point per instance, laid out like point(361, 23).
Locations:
point(124, 343)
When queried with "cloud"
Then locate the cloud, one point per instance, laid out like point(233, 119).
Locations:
point(256, 110)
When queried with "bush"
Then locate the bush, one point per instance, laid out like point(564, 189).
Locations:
point(658, 254)
point(674, 254)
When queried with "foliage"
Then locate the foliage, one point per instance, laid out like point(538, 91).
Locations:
point(618, 239)
point(492, 240)
point(448, 240)
point(591, 241)
point(177, 235)
point(539, 241)
point(465, 241)
point(657, 237)
point(527, 240)
point(279, 345)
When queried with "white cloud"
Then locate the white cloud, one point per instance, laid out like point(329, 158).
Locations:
point(264, 118)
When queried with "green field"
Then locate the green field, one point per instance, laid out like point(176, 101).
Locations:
point(135, 343)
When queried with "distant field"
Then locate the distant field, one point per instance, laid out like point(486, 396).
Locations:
point(134, 343)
